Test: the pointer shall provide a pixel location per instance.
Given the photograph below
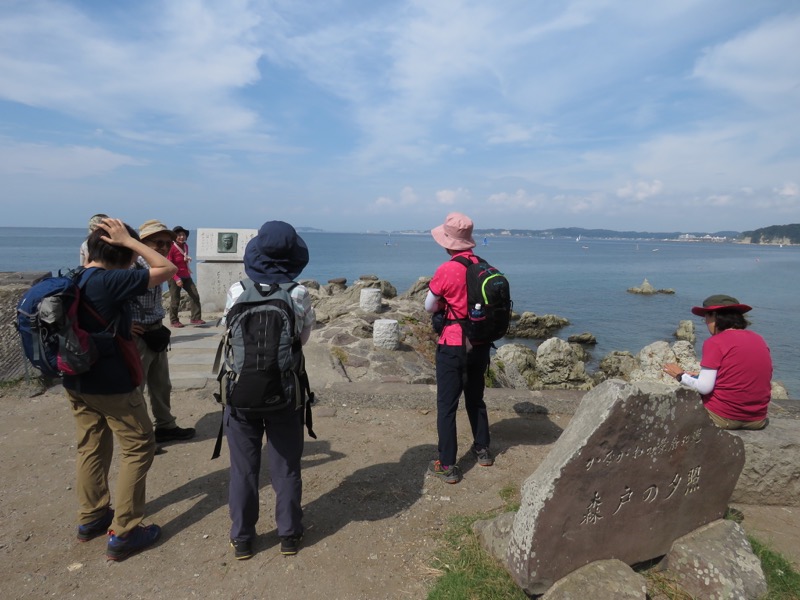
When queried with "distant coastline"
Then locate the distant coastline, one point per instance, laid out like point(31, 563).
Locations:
point(776, 235)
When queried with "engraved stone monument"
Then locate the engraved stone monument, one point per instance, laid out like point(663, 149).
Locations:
point(638, 466)
point(221, 252)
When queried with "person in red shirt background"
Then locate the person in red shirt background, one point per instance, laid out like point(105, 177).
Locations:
point(179, 256)
point(736, 368)
point(460, 366)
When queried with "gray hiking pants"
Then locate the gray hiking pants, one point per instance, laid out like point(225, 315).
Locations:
point(285, 438)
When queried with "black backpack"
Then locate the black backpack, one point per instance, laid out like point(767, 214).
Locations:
point(488, 302)
point(264, 367)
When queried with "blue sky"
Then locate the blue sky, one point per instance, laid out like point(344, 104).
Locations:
point(366, 115)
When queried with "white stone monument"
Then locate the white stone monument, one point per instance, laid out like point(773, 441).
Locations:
point(221, 252)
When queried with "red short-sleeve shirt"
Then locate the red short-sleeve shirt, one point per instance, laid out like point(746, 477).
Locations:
point(743, 363)
point(450, 283)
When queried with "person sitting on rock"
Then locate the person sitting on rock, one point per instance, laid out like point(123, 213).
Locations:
point(735, 369)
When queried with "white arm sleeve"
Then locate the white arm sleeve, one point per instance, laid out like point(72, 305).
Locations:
point(431, 302)
point(703, 383)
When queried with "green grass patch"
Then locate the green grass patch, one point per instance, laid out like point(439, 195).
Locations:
point(466, 571)
point(783, 582)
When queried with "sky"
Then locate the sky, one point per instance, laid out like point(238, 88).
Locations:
point(370, 115)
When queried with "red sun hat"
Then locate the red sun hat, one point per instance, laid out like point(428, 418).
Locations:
point(720, 302)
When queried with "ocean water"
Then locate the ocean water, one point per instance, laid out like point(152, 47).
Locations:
point(584, 281)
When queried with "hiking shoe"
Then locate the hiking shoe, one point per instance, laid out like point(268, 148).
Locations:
point(138, 539)
point(483, 456)
point(449, 474)
point(197, 322)
point(242, 549)
point(175, 433)
point(176, 324)
point(290, 544)
point(96, 528)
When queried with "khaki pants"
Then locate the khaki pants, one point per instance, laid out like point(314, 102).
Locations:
point(155, 366)
point(99, 419)
point(724, 423)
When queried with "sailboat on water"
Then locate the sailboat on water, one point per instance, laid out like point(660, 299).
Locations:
point(485, 241)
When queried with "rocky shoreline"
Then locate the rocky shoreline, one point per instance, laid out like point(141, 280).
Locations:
point(556, 364)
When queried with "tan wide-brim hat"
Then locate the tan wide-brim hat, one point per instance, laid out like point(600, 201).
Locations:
point(720, 302)
point(455, 233)
point(153, 227)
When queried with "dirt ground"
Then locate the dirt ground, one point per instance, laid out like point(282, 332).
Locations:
point(371, 514)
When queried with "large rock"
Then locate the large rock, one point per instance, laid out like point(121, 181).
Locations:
point(583, 338)
point(618, 364)
point(607, 579)
point(558, 366)
point(771, 473)
point(637, 467)
point(515, 366)
point(685, 331)
point(717, 561)
point(534, 326)
point(652, 358)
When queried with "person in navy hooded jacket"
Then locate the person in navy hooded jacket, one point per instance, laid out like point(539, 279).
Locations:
point(276, 255)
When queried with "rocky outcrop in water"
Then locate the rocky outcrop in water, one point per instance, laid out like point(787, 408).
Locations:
point(647, 289)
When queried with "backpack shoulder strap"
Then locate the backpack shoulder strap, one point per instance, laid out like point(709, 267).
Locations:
point(462, 260)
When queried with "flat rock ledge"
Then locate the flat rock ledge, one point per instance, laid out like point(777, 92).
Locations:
point(771, 473)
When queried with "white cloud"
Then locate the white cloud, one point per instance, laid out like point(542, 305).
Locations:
point(761, 65)
point(450, 197)
point(720, 200)
point(178, 71)
point(788, 189)
point(53, 162)
point(407, 198)
point(639, 190)
point(517, 200)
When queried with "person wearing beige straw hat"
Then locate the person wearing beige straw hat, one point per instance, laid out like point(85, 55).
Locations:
point(152, 339)
point(735, 370)
point(460, 366)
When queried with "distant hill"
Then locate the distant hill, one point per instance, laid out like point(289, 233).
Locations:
point(774, 234)
point(574, 232)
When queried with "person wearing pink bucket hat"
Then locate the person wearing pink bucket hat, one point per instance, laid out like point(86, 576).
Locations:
point(455, 233)
point(460, 366)
point(736, 368)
